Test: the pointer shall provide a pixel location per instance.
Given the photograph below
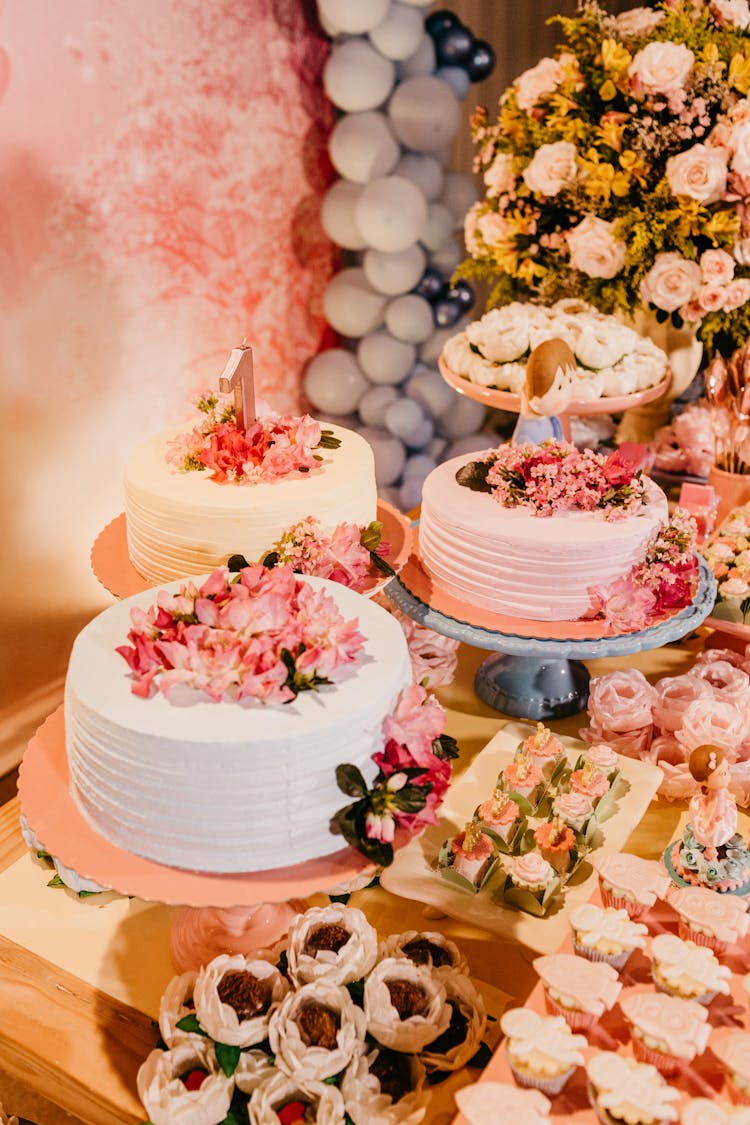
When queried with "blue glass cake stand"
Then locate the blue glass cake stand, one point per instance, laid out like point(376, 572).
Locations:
point(538, 678)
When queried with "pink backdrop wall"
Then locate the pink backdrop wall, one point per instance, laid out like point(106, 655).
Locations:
point(161, 163)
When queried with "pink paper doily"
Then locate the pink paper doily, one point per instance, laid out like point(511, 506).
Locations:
point(47, 804)
point(111, 563)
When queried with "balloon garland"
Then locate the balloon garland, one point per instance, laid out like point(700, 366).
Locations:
point(397, 79)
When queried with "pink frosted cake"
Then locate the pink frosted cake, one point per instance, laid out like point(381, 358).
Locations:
point(512, 558)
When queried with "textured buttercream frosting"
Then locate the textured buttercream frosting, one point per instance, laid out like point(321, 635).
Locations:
point(511, 561)
point(182, 523)
point(223, 786)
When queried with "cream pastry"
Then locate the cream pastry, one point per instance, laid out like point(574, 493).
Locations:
point(666, 1031)
point(542, 1051)
point(578, 990)
point(690, 971)
point(707, 918)
point(532, 872)
point(630, 883)
point(605, 934)
point(574, 809)
point(623, 1090)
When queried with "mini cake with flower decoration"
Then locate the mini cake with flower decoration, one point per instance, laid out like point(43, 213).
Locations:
point(573, 809)
point(244, 705)
point(590, 781)
point(523, 776)
point(200, 493)
point(499, 815)
point(469, 854)
point(544, 748)
point(557, 844)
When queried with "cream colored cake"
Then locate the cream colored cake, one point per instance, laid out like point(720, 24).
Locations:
point(511, 561)
point(182, 523)
point(224, 785)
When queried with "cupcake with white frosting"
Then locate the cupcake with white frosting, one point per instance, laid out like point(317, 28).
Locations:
point(704, 1111)
point(424, 947)
point(316, 1031)
point(184, 1084)
point(542, 1051)
point(272, 1099)
point(335, 943)
point(234, 997)
point(606, 934)
point(690, 971)
point(622, 1090)
point(666, 1032)
point(732, 1048)
point(578, 990)
point(462, 1037)
point(573, 809)
point(384, 1087)
point(405, 1005)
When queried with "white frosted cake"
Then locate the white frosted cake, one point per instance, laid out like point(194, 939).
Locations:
point(226, 784)
point(512, 561)
point(184, 522)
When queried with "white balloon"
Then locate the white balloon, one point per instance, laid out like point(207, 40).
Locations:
point(352, 18)
point(357, 77)
point(334, 382)
point(394, 273)
point(351, 306)
point(431, 348)
point(389, 454)
point(410, 318)
point(430, 390)
point(417, 3)
point(337, 215)
point(447, 257)
point(375, 402)
point(410, 494)
point(390, 213)
point(423, 170)
point(437, 231)
point(385, 359)
point(362, 146)
point(422, 434)
point(419, 466)
point(457, 78)
point(399, 33)
point(403, 417)
point(463, 417)
point(459, 195)
point(425, 113)
point(472, 443)
point(421, 62)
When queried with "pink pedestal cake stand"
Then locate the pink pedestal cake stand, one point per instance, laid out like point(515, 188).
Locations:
point(111, 563)
point(221, 913)
point(506, 400)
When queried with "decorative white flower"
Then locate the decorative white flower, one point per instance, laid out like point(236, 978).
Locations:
point(730, 13)
point(468, 1023)
point(493, 228)
point(424, 947)
point(616, 381)
point(672, 281)
point(539, 80)
point(316, 1031)
point(473, 244)
point(167, 1099)
point(367, 1103)
point(235, 996)
point(457, 354)
point(499, 337)
point(638, 21)
point(173, 1007)
point(700, 172)
point(405, 1005)
point(603, 346)
point(739, 147)
point(278, 1090)
point(253, 1068)
point(594, 250)
point(661, 67)
point(500, 177)
point(552, 168)
point(334, 943)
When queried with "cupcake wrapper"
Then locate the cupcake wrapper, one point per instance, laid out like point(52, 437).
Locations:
point(576, 1020)
point(736, 1096)
point(616, 960)
point(635, 910)
point(665, 1064)
point(704, 998)
point(549, 1086)
point(708, 940)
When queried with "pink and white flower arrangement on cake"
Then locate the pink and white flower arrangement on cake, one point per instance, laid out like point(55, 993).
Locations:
point(272, 447)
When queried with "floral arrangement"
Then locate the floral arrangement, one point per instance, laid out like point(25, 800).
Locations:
point(556, 477)
point(433, 656)
point(663, 722)
point(686, 445)
point(330, 1026)
point(662, 583)
point(261, 633)
point(272, 448)
point(727, 552)
point(414, 771)
point(618, 171)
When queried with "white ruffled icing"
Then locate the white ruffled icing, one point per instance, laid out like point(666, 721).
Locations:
point(529, 1033)
point(383, 1022)
point(623, 1082)
point(594, 924)
point(352, 961)
point(677, 960)
point(219, 1019)
point(277, 1090)
point(313, 1063)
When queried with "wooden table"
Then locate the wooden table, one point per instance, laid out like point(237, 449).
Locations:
point(81, 1048)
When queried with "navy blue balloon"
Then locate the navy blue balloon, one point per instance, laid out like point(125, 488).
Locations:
point(481, 60)
point(463, 293)
point(440, 21)
point(454, 46)
point(447, 311)
point(432, 285)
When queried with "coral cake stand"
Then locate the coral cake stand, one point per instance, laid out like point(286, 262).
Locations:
point(539, 674)
point(222, 913)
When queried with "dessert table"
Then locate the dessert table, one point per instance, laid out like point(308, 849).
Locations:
point(80, 979)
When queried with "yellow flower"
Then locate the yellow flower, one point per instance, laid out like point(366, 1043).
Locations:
point(723, 224)
point(561, 105)
point(711, 53)
point(739, 72)
point(602, 180)
point(634, 165)
point(530, 270)
point(607, 90)
point(615, 57)
point(610, 134)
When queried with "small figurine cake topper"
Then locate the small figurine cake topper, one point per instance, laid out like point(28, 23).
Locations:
point(547, 392)
point(237, 376)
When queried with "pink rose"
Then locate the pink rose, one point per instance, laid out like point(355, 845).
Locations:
point(667, 750)
point(552, 168)
point(638, 21)
point(630, 743)
point(699, 172)
point(661, 67)
point(739, 785)
point(674, 694)
point(694, 432)
point(594, 250)
point(433, 656)
point(728, 683)
point(493, 227)
point(678, 783)
point(717, 267)
point(711, 722)
point(625, 606)
point(724, 655)
point(622, 465)
point(671, 282)
point(738, 291)
point(621, 701)
point(730, 13)
point(500, 177)
point(416, 722)
point(711, 298)
point(537, 82)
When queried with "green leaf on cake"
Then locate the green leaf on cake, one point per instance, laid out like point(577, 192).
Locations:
point(55, 881)
point(445, 747)
point(350, 781)
point(236, 563)
point(190, 1023)
point(474, 476)
point(270, 560)
point(328, 440)
point(411, 798)
point(371, 535)
point(227, 1056)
